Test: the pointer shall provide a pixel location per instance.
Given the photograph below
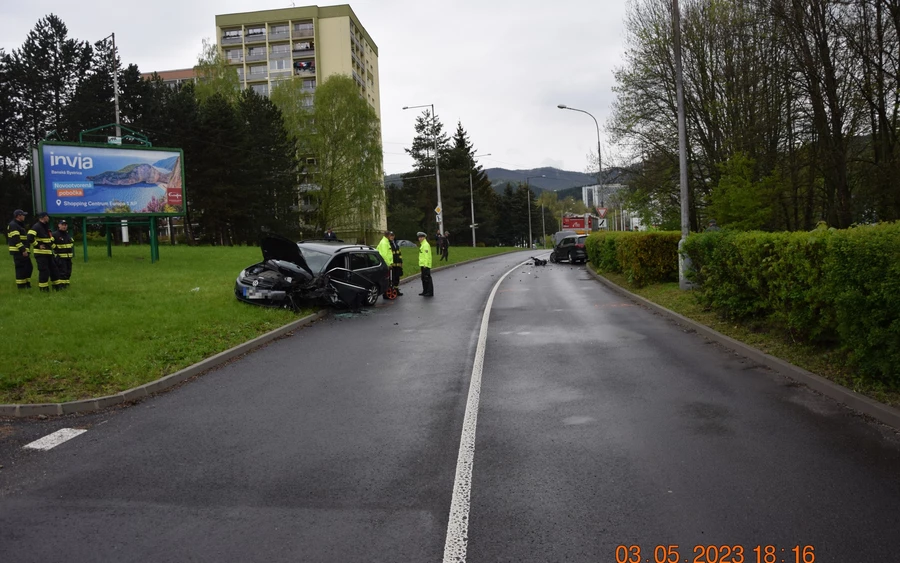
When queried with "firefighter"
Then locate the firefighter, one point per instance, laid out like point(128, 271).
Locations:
point(396, 266)
point(40, 240)
point(63, 250)
point(17, 238)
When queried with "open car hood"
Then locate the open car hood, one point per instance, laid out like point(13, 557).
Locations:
point(276, 247)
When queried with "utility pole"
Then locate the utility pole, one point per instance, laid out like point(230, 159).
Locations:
point(683, 263)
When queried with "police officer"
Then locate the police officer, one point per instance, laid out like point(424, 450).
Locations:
point(17, 239)
point(41, 241)
point(63, 250)
point(425, 265)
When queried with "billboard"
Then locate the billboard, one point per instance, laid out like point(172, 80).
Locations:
point(99, 180)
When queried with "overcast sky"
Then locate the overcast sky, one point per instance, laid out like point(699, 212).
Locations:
point(498, 66)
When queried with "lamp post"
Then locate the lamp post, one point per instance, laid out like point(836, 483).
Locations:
point(529, 206)
point(472, 198)
point(599, 159)
point(437, 174)
point(115, 81)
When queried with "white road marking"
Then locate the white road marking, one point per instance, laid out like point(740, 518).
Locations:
point(458, 526)
point(55, 439)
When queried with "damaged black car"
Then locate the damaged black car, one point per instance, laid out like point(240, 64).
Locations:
point(296, 274)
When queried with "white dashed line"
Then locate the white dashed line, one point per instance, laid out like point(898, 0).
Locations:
point(458, 525)
point(55, 439)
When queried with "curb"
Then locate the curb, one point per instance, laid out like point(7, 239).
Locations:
point(879, 411)
point(161, 384)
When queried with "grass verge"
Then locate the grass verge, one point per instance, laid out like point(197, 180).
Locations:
point(828, 363)
point(125, 322)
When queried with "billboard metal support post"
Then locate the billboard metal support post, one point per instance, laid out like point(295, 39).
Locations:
point(84, 237)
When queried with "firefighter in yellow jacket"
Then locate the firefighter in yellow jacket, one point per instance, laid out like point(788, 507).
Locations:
point(17, 240)
point(40, 240)
point(425, 265)
point(63, 252)
point(390, 253)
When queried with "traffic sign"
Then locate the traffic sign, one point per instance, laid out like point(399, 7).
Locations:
point(601, 211)
point(114, 140)
point(437, 209)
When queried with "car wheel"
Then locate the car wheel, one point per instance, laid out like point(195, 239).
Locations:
point(372, 296)
point(553, 257)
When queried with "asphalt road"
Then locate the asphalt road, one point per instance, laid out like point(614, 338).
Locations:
point(600, 425)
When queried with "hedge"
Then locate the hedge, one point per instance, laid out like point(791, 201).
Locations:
point(641, 256)
point(834, 287)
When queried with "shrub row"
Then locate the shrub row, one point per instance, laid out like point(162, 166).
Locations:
point(840, 288)
point(642, 257)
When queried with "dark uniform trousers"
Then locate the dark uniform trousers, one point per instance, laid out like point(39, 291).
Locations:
point(16, 235)
point(427, 284)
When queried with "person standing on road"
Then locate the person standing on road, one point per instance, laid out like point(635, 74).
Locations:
point(425, 265)
point(389, 252)
point(445, 246)
point(17, 239)
point(41, 241)
point(64, 251)
point(396, 265)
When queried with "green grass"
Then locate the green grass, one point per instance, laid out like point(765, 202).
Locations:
point(125, 322)
point(828, 363)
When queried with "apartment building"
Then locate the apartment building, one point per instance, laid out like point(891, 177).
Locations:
point(307, 43)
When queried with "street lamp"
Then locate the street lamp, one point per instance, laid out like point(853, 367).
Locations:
point(437, 174)
point(529, 206)
point(115, 81)
point(599, 160)
point(472, 198)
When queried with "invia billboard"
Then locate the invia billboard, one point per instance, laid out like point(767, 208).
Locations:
point(97, 180)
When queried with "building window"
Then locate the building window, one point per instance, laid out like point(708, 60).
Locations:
point(261, 89)
point(303, 46)
point(283, 48)
point(304, 66)
point(309, 84)
point(280, 28)
point(255, 31)
point(258, 70)
point(234, 55)
point(280, 64)
point(303, 29)
point(256, 51)
point(232, 34)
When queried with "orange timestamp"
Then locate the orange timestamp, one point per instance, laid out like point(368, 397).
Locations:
point(716, 554)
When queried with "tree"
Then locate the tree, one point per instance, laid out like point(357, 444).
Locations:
point(215, 75)
point(419, 187)
point(270, 200)
point(345, 138)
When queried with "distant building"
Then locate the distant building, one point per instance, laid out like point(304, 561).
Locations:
point(173, 78)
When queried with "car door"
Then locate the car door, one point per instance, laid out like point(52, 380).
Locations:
point(565, 245)
point(368, 265)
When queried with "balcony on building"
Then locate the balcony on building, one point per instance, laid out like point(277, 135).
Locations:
point(257, 72)
point(279, 31)
point(304, 68)
point(256, 54)
point(303, 49)
point(232, 36)
point(280, 51)
point(303, 30)
point(255, 34)
point(234, 56)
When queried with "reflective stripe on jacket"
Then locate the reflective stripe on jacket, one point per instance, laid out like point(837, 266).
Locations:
point(63, 245)
point(425, 254)
point(16, 238)
point(384, 248)
point(40, 239)
point(395, 251)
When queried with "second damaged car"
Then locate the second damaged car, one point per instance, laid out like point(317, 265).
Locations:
point(294, 274)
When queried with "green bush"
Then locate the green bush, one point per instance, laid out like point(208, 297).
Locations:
point(826, 286)
point(648, 257)
point(644, 257)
